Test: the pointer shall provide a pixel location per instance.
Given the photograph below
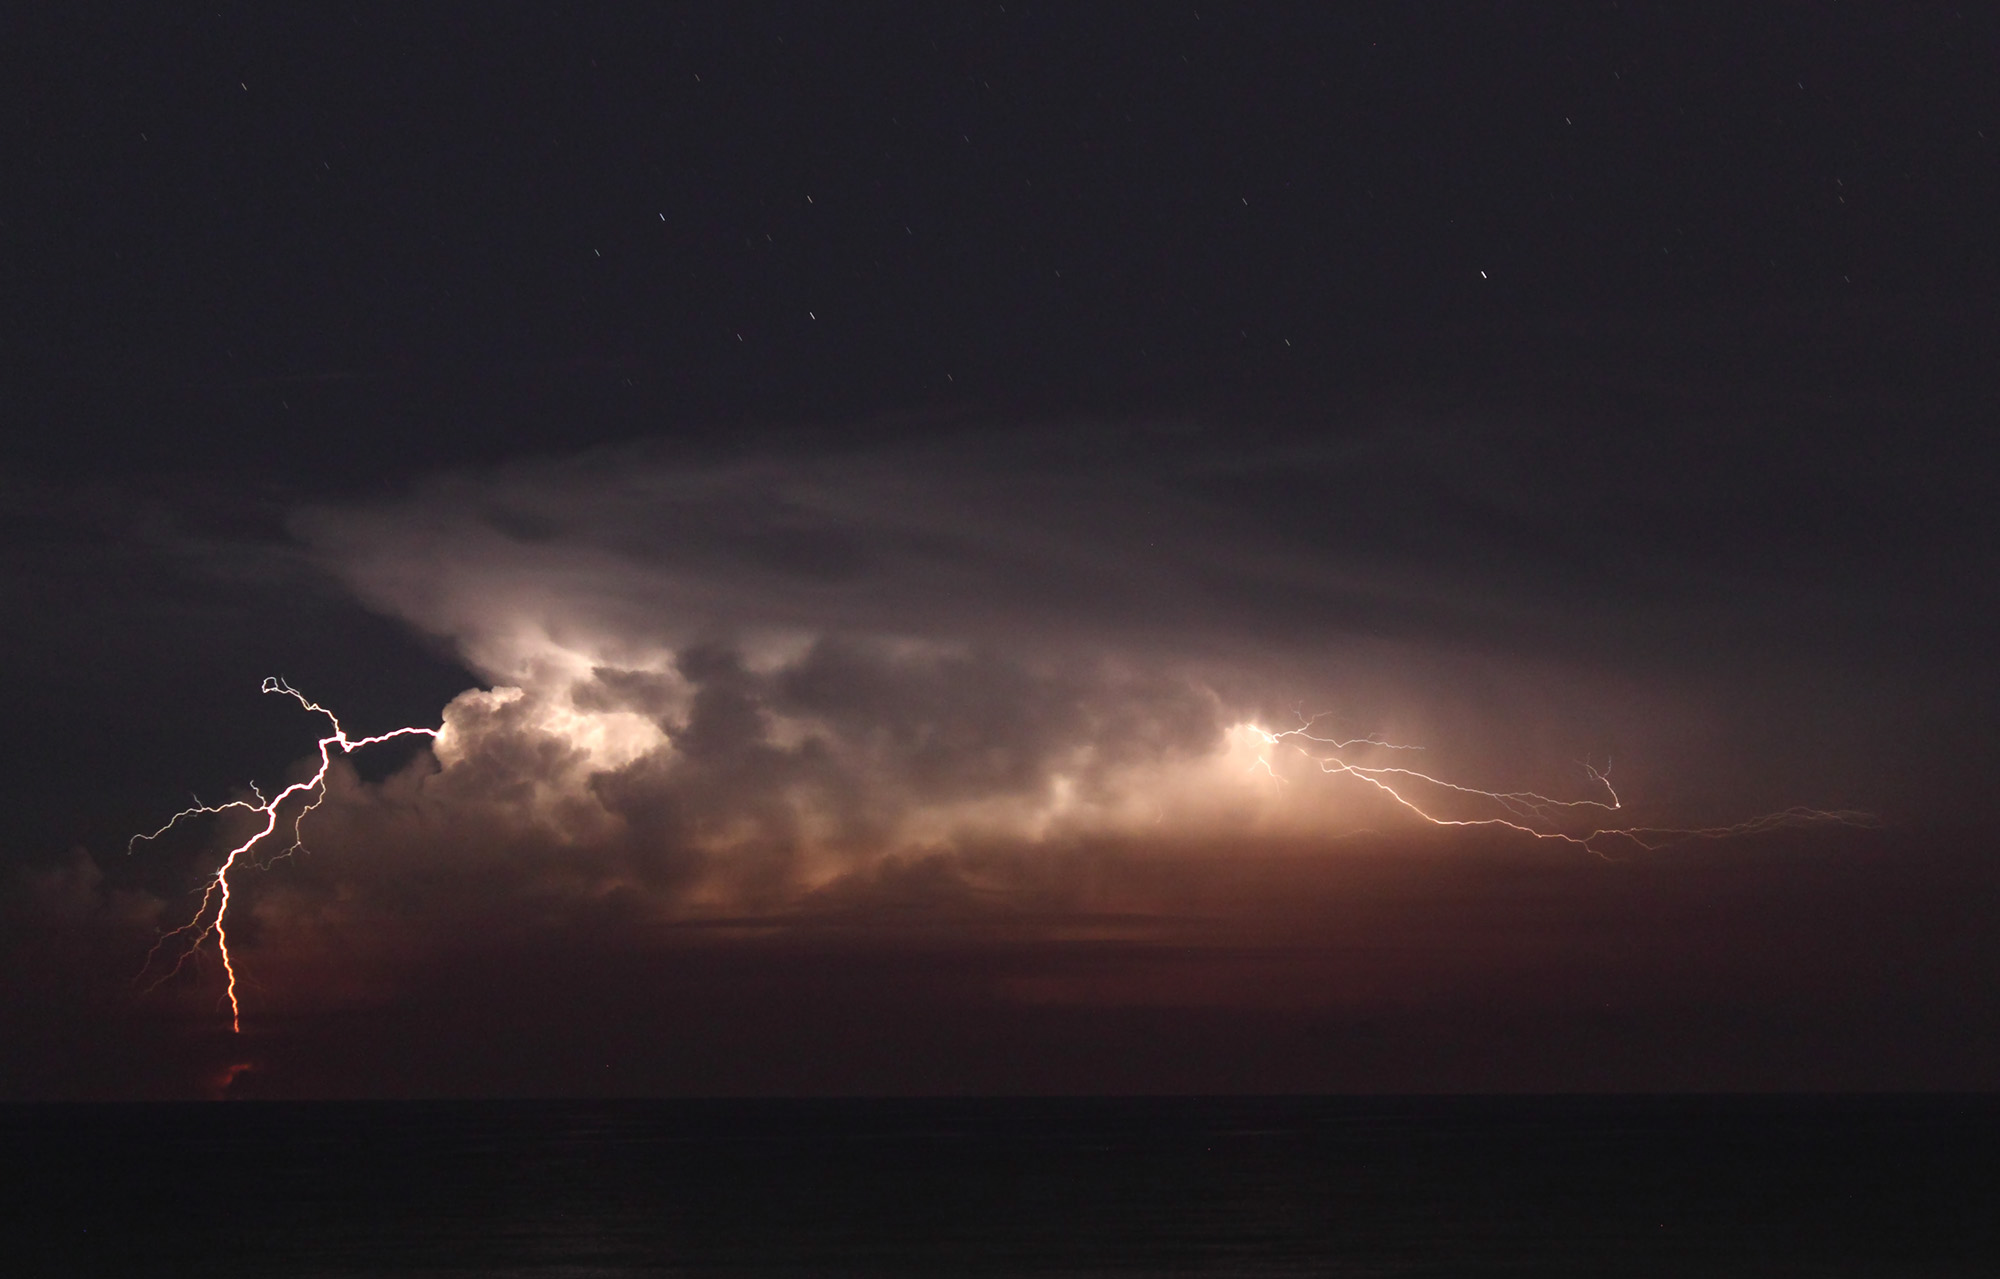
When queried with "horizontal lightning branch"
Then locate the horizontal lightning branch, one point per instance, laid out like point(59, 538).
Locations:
point(1571, 821)
point(310, 793)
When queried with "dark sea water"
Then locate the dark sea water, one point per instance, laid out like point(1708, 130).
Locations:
point(1322, 1186)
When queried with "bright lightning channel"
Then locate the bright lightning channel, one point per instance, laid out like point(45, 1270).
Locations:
point(1570, 821)
point(1583, 823)
point(216, 891)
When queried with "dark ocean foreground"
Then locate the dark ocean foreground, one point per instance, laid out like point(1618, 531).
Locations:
point(1415, 1186)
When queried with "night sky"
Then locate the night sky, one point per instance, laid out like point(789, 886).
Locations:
point(863, 490)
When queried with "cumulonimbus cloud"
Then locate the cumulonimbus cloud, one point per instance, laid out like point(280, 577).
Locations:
point(1025, 690)
point(739, 681)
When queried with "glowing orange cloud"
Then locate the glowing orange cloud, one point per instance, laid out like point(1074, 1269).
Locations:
point(1211, 785)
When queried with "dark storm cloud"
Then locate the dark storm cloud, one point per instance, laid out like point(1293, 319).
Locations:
point(1548, 394)
point(963, 717)
point(1521, 588)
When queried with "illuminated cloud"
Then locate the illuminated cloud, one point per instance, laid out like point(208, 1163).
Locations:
point(731, 683)
point(1013, 709)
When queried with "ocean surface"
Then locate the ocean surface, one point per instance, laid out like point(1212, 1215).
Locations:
point(1228, 1186)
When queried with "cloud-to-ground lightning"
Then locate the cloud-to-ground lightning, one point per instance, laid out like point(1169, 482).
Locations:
point(216, 892)
point(1589, 823)
point(1571, 821)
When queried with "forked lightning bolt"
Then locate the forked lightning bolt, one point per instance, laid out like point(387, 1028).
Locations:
point(215, 893)
point(1571, 821)
point(1584, 823)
